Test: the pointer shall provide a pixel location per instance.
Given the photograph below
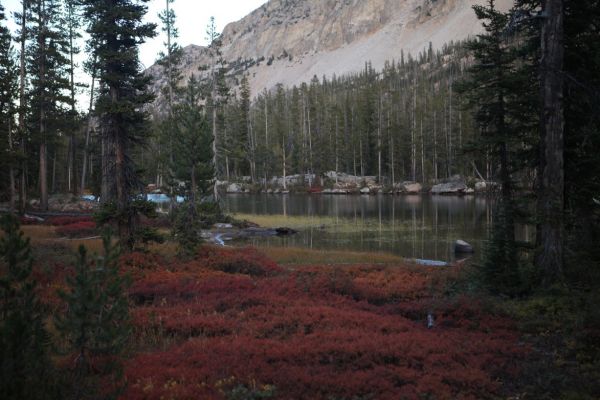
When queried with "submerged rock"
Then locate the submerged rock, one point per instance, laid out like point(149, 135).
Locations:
point(462, 247)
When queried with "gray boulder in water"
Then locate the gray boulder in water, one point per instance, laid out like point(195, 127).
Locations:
point(462, 247)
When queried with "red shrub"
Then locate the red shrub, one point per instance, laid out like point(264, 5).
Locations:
point(136, 262)
point(62, 221)
point(311, 334)
point(247, 260)
point(77, 229)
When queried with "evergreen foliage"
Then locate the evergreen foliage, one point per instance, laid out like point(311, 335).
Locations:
point(401, 123)
point(117, 29)
point(8, 109)
point(48, 97)
point(25, 369)
point(95, 326)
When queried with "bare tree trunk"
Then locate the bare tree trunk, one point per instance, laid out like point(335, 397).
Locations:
point(551, 190)
point(423, 154)
point(392, 166)
point(379, 144)
point(450, 152)
point(413, 134)
point(71, 156)
point(53, 185)
point(214, 149)
point(310, 147)
point(435, 162)
point(22, 111)
point(43, 145)
point(88, 131)
point(11, 171)
point(284, 167)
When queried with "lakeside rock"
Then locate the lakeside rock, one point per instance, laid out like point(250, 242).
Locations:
point(338, 183)
point(454, 185)
point(234, 188)
point(462, 247)
point(411, 187)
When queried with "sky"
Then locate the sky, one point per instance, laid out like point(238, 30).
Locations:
point(192, 18)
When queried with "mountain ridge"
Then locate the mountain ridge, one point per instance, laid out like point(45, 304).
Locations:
point(290, 41)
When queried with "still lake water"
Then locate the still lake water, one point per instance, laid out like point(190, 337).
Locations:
point(409, 226)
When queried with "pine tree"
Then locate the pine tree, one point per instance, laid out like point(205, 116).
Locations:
point(48, 66)
point(25, 370)
point(8, 96)
point(217, 93)
point(117, 29)
point(72, 20)
point(489, 92)
point(95, 327)
point(192, 142)
point(169, 60)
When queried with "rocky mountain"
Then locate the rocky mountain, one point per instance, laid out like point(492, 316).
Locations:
point(290, 41)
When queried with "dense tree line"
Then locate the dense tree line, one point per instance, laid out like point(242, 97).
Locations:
point(405, 122)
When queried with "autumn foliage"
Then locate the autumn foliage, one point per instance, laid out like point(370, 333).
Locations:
point(230, 323)
point(232, 320)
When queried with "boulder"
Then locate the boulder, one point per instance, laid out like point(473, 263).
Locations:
point(234, 188)
point(340, 191)
point(222, 226)
point(469, 191)
point(462, 247)
point(454, 187)
point(284, 231)
point(411, 187)
point(365, 190)
point(483, 186)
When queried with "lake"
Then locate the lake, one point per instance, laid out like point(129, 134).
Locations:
point(410, 226)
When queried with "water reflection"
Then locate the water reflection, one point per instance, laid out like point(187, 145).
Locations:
point(412, 226)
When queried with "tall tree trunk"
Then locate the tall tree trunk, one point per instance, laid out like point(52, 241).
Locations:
point(88, 131)
point(435, 162)
point(413, 134)
point(551, 190)
point(43, 180)
point(214, 149)
point(22, 112)
point(11, 171)
point(71, 156)
point(379, 144)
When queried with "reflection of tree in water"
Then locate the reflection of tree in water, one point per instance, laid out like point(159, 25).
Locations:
point(411, 226)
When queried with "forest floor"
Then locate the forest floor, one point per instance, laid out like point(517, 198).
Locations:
point(236, 323)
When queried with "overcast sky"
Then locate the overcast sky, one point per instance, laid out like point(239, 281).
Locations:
point(192, 18)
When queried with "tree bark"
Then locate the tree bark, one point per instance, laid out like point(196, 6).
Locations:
point(88, 131)
point(22, 111)
point(43, 145)
point(551, 189)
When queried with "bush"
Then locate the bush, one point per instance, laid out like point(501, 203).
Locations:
point(248, 261)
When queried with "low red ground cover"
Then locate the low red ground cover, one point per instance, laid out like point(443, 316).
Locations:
point(231, 320)
point(77, 229)
point(66, 220)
